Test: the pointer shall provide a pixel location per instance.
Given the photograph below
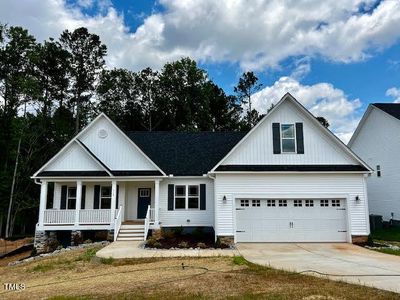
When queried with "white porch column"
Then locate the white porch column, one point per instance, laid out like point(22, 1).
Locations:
point(156, 202)
point(78, 201)
point(113, 200)
point(43, 201)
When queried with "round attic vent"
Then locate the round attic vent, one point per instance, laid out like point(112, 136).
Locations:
point(102, 133)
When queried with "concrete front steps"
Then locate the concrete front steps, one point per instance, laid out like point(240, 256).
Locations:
point(131, 232)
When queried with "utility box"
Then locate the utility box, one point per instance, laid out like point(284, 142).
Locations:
point(375, 222)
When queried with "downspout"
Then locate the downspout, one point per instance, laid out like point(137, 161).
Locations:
point(213, 177)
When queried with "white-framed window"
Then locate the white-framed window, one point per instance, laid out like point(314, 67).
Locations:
point(288, 138)
point(187, 197)
point(105, 197)
point(309, 203)
point(255, 203)
point(336, 203)
point(298, 203)
point(180, 196)
point(270, 202)
point(324, 203)
point(282, 203)
point(193, 197)
point(71, 197)
point(244, 203)
point(378, 171)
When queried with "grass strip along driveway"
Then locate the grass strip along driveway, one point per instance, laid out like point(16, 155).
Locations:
point(79, 275)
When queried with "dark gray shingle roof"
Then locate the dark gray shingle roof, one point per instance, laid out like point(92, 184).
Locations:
point(185, 153)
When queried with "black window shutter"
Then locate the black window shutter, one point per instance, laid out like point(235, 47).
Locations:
point(83, 197)
point(63, 204)
point(116, 202)
point(276, 137)
point(96, 200)
point(170, 197)
point(202, 197)
point(299, 138)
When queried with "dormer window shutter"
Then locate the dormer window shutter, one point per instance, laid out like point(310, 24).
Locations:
point(276, 137)
point(299, 138)
point(171, 188)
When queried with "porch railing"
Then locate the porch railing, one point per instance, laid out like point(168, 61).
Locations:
point(64, 216)
point(147, 222)
point(95, 216)
point(86, 216)
point(118, 221)
point(151, 215)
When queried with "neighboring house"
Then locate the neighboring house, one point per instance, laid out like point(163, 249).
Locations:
point(289, 179)
point(377, 141)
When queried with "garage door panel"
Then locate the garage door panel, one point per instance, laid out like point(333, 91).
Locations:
point(269, 222)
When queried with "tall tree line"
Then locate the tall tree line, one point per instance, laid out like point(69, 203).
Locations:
point(50, 90)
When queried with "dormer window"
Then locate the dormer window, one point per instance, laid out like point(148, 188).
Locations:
point(288, 138)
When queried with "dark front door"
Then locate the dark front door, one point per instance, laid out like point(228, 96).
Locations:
point(144, 200)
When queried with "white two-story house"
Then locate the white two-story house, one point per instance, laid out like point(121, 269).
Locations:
point(289, 179)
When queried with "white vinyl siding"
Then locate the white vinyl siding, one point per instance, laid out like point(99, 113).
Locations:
point(281, 186)
point(74, 158)
point(180, 217)
point(378, 143)
point(115, 151)
point(318, 146)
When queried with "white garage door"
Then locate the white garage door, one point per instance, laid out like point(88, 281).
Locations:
point(287, 220)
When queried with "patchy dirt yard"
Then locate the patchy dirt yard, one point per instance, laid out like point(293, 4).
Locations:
point(80, 275)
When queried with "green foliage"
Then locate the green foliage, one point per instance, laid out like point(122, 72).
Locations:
point(239, 260)
point(178, 230)
point(389, 251)
point(387, 234)
point(107, 261)
point(88, 254)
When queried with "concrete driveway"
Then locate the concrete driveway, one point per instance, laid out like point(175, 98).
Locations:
point(345, 262)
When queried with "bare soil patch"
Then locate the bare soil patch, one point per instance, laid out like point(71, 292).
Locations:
point(79, 275)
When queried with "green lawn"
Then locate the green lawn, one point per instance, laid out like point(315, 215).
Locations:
point(389, 251)
point(387, 234)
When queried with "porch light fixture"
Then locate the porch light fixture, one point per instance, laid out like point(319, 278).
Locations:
point(224, 199)
point(357, 198)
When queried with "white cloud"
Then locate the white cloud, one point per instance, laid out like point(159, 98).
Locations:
point(322, 99)
point(395, 93)
point(255, 34)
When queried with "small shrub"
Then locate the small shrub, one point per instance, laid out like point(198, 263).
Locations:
point(107, 261)
point(178, 231)
point(88, 241)
point(88, 254)
point(370, 241)
point(201, 245)
point(198, 233)
point(157, 245)
point(183, 245)
point(239, 260)
point(168, 234)
point(157, 234)
point(151, 242)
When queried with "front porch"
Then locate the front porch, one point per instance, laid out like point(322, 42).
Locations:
point(98, 205)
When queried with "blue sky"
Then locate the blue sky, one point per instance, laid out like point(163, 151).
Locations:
point(335, 56)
